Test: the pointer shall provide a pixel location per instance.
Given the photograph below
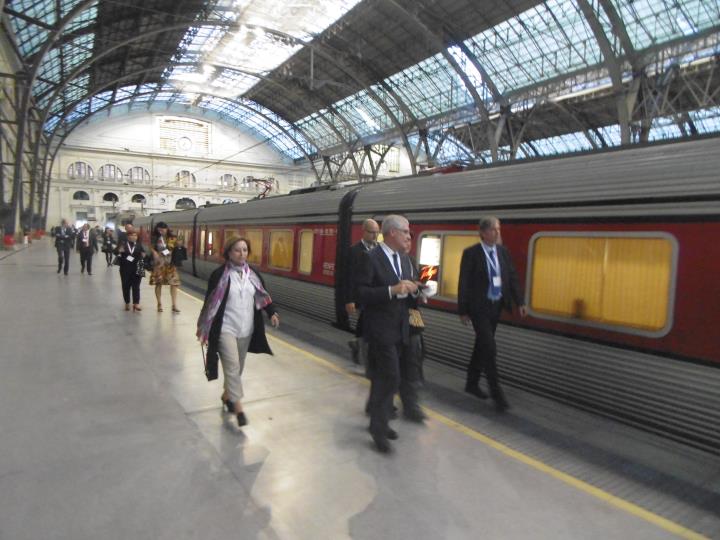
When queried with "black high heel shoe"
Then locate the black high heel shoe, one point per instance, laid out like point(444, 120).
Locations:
point(242, 419)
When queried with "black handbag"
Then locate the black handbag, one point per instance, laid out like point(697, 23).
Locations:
point(148, 262)
point(116, 260)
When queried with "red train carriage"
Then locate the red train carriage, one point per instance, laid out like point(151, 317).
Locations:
point(617, 251)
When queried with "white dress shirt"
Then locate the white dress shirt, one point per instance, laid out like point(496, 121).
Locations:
point(240, 307)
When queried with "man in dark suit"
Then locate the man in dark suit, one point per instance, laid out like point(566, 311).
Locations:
point(488, 283)
point(64, 240)
point(370, 232)
point(384, 290)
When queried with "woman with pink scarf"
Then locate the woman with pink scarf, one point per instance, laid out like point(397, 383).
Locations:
point(231, 321)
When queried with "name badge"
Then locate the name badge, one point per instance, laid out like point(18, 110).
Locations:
point(130, 258)
point(166, 251)
point(497, 281)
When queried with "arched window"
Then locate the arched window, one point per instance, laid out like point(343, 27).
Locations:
point(80, 171)
point(110, 173)
point(139, 175)
point(138, 198)
point(185, 179)
point(185, 204)
point(110, 197)
point(81, 196)
point(228, 181)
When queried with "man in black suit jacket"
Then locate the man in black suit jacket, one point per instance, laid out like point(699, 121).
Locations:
point(384, 290)
point(64, 241)
point(488, 283)
point(370, 232)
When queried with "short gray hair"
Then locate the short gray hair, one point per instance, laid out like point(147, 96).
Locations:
point(393, 221)
point(487, 222)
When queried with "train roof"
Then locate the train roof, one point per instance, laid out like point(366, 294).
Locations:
point(301, 208)
point(662, 174)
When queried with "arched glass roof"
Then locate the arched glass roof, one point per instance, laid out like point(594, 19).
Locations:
point(325, 76)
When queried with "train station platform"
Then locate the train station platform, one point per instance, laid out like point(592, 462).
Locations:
point(110, 430)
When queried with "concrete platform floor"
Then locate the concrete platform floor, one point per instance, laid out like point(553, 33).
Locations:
point(109, 430)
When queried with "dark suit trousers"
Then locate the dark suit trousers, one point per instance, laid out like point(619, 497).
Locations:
point(393, 367)
point(86, 260)
point(130, 281)
point(485, 351)
point(63, 258)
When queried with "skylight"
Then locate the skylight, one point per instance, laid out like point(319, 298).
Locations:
point(263, 35)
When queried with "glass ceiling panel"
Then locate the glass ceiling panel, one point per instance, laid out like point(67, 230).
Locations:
point(319, 131)
point(650, 22)
point(543, 42)
point(562, 144)
point(430, 87)
point(263, 35)
point(707, 121)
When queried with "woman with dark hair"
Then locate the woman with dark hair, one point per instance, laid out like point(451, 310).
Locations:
point(108, 245)
point(164, 271)
point(231, 321)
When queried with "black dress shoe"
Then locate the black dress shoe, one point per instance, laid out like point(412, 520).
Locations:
point(475, 391)
point(415, 415)
point(229, 404)
point(391, 434)
point(242, 419)
point(501, 405)
point(381, 443)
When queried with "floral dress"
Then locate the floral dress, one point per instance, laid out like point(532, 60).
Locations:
point(164, 272)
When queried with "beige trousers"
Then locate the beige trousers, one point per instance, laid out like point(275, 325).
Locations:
point(232, 355)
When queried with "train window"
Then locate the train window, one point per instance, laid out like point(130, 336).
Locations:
point(202, 241)
point(255, 237)
point(281, 249)
point(306, 252)
point(439, 259)
point(231, 233)
point(212, 235)
point(621, 281)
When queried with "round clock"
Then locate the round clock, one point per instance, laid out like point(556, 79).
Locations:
point(184, 144)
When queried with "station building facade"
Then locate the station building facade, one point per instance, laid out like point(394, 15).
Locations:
point(124, 165)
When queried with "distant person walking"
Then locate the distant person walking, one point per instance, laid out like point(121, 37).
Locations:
point(231, 321)
point(86, 244)
point(164, 271)
point(131, 254)
point(108, 245)
point(64, 238)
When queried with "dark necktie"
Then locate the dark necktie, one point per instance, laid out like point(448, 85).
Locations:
point(397, 265)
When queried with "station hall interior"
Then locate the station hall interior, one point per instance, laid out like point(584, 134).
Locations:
point(588, 130)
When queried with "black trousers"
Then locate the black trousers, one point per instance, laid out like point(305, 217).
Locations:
point(130, 281)
point(392, 368)
point(86, 260)
point(484, 353)
point(63, 258)
point(108, 257)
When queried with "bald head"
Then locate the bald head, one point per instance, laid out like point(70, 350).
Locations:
point(370, 231)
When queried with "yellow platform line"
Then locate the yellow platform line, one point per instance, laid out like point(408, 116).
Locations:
point(617, 502)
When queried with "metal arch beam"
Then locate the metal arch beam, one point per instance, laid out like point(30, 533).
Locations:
point(614, 67)
point(328, 56)
point(480, 105)
point(24, 107)
point(398, 100)
point(620, 31)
